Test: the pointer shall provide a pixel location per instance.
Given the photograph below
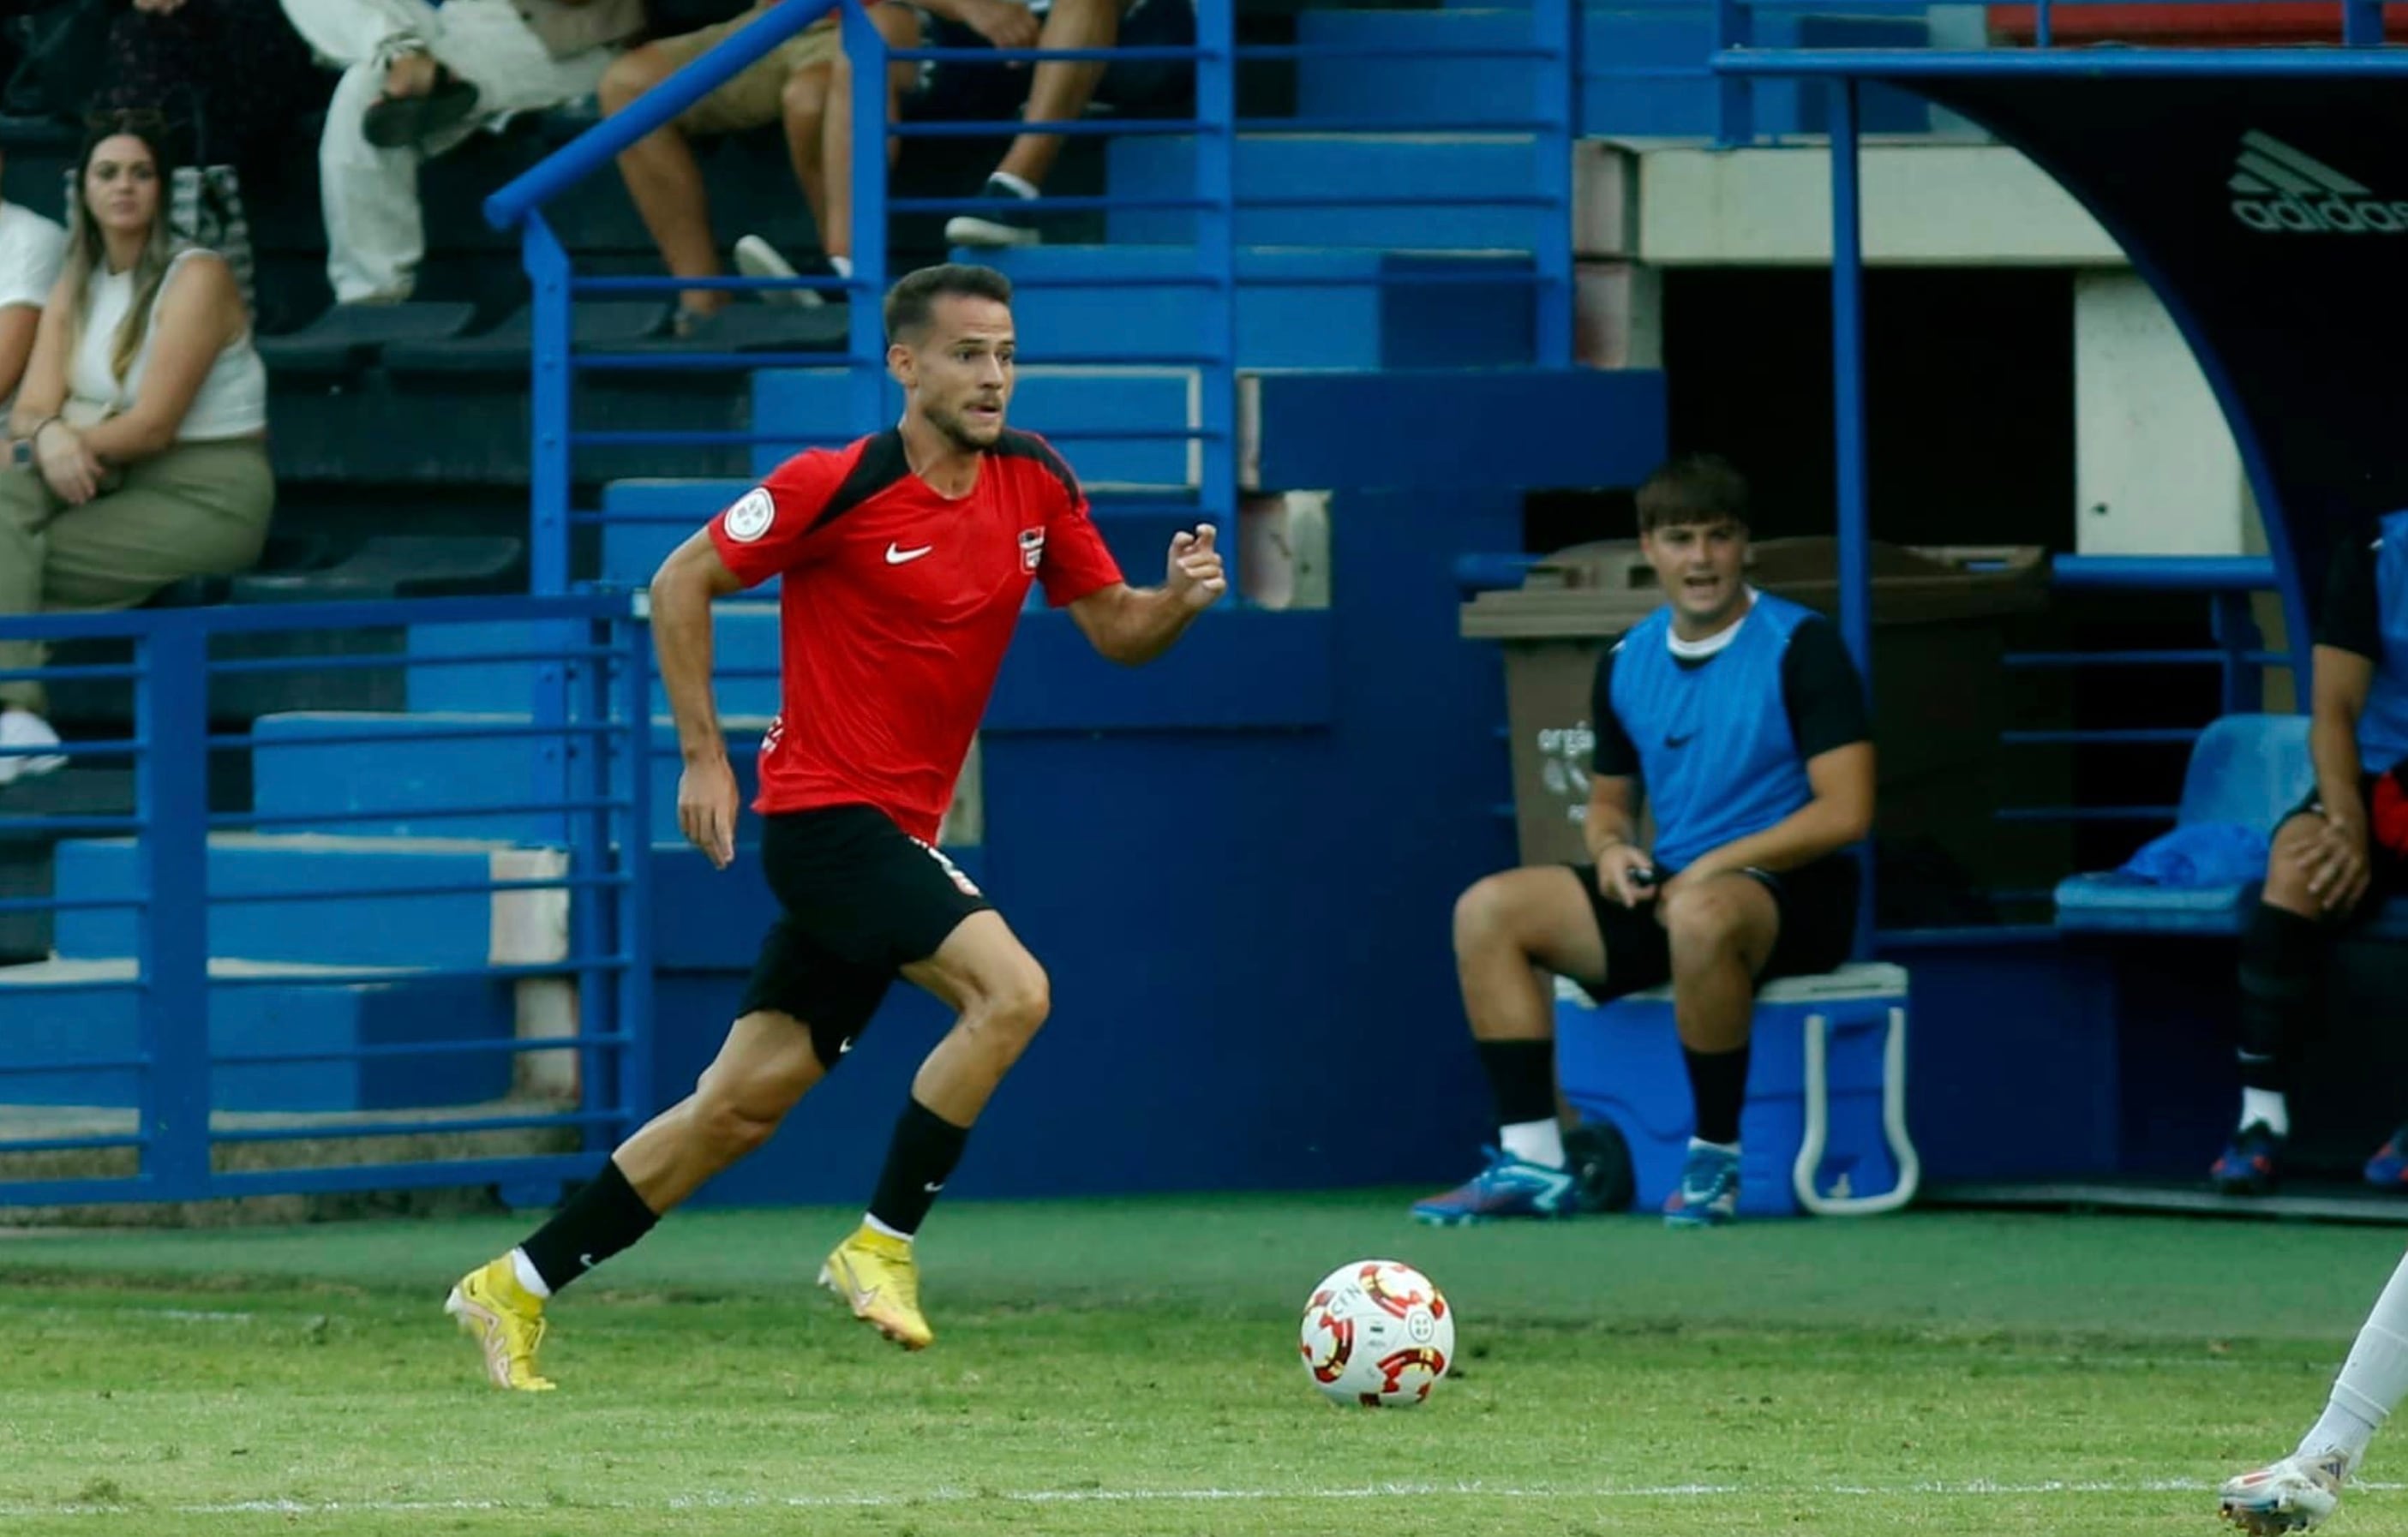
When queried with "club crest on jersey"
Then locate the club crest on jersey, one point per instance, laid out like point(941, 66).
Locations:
point(1032, 549)
point(750, 517)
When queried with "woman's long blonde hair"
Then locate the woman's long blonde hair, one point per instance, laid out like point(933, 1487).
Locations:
point(88, 252)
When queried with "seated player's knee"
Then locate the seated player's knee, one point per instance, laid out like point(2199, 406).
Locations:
point(1484, 915)
point(2287, 882)
point(1704, 921)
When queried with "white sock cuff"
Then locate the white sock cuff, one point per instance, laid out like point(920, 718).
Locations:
point(1019, 184)
point(1535, 1142)
point(875, 1226)
point(528, 1278)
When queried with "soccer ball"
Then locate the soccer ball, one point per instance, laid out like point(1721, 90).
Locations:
point(1378, 1334)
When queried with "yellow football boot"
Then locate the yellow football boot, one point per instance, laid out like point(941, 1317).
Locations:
point(508, 1322)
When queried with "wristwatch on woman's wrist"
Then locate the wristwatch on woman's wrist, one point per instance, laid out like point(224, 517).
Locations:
point(21, 452)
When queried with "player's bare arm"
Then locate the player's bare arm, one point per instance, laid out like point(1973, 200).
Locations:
point(1840, 813)
point(682, 592)
point(1133, 625)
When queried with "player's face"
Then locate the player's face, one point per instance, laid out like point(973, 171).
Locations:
point(1699, 566)
point(960, 375)
point(121, 185)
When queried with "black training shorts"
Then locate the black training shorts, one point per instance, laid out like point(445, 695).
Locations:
point(861, 899)
point(1817, 904)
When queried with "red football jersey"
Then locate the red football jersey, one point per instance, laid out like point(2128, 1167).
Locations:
point(895, 609)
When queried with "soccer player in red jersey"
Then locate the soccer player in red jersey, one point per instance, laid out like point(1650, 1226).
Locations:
point(906, 560)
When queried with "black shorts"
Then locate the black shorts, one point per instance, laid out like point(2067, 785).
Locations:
point(1818, 903)
point(862, 898)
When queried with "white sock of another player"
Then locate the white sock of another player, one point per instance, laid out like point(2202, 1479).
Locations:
point(1536, 1141)
point(2265, 1107)
point(2373, 1381)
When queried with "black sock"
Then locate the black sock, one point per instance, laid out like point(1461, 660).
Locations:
point(1522, 1076)
point(598, 1221)
point(1718, 1087)
point(2282, 959)
point(918, 1162)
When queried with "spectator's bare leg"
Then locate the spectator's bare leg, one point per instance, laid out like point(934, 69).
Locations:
point(833, 210)
point(665, 183)
point(26, 507)
point(804, 105)
point(1059, 91)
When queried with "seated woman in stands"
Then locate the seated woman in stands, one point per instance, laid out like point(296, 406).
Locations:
point(137, 450)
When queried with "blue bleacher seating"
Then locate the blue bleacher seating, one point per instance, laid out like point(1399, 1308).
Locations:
point(2245, 769)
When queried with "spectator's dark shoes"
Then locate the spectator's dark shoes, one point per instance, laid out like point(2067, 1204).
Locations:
point(2388, 1170)
point(2250, 1166)
point(1003, 220)
point(393, 121)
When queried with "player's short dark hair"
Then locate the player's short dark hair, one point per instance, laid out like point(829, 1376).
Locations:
point(912, 303)
point(1693, 489)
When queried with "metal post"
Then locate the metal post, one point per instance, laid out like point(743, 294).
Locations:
point(547, 270)
point(867, 52)
point(1216, 262)
point(172, 719)
point(1848, 415)
point(634, 898)
point(588, 858)
point(1557, 28)
point(2361, 23)
point(1734, 94)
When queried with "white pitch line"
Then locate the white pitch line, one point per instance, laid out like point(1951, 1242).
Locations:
point(1977, 1489)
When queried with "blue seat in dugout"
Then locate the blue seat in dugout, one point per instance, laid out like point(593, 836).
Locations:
point(1823, 1129)
point(2246, 771)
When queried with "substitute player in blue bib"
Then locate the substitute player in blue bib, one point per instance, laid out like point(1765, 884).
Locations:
point(1740, 717)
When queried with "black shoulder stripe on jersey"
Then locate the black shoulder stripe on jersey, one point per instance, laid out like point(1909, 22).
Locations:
point(1013, 445)
point(882, 463)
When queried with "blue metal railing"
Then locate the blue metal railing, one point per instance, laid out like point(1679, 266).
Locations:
point(1742, 57)
point(2238, 653)
point(1216, 203)
point(174, 981)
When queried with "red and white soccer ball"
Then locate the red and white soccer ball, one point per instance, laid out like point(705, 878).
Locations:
point(1378, 1334)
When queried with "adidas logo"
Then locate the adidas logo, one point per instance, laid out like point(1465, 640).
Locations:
point(2280, 191)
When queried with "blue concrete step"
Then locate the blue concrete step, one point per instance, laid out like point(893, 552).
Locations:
point(50, 1016)
point(1060, 402)
point(1296, 308)
point(1402, 91)
point(744, 659)
point(401, 787)
point(1320, 166)
point(1654, 37)
point(351, 905)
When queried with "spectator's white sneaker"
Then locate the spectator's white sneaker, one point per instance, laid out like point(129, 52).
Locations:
point(2292, 1495)
point(757, 258)
point(1003, 220)
point(24, 729)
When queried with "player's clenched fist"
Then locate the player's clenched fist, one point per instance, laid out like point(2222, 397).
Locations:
point(1196, 574)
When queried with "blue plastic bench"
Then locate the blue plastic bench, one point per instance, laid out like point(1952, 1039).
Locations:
point(2249, 769)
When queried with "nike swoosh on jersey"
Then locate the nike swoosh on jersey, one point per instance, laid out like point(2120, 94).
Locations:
point(896, 557)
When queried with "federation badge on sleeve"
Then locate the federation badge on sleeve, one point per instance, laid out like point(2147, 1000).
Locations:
point(1032, 549)
point(752, 516)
